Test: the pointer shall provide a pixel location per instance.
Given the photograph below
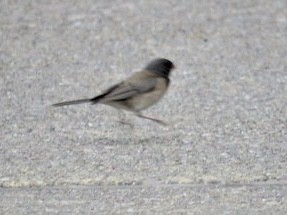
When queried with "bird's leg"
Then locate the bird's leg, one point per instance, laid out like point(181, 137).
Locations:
point(152, 119)
point(122, 119)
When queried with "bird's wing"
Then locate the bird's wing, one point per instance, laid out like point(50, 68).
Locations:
point(128, 89)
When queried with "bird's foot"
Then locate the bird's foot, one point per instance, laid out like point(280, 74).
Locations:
point(153, 119)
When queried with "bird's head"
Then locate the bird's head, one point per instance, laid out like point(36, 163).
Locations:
point(160, 66)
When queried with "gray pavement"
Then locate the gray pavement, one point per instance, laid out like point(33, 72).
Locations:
point(225, 149)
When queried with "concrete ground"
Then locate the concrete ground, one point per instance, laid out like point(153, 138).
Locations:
point(225, 149)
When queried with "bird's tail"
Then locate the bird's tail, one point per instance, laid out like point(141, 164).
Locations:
point(72, 102)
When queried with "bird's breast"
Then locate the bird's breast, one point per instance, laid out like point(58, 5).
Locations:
point(148, 99)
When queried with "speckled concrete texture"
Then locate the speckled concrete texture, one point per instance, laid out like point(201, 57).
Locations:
point(225, 149)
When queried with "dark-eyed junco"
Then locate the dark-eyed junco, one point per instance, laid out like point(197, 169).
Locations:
point(137, 92)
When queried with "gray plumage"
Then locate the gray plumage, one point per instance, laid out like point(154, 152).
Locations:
point(137, 92)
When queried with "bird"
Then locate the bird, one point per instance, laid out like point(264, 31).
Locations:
point(138, 92)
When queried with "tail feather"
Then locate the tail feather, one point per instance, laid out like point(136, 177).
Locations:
point(72, 102)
